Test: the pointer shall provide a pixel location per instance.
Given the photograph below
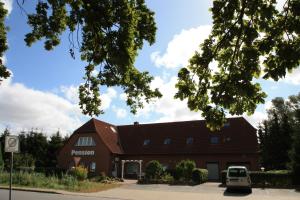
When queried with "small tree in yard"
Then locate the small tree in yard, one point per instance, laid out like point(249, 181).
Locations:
point(80, 173)
point(154, 170)
point(184, 170)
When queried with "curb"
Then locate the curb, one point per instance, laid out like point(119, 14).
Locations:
point(32, 190)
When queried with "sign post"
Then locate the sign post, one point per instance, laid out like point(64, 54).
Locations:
point(12, 146)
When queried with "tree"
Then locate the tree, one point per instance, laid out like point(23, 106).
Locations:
point(1, 160)
point(295, 152)
point(54, 144)
point(108, 35)
point(243, 32)
point(6, 157)
point(37, 144)
point(276, 134)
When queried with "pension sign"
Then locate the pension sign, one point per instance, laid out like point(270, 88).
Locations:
point(82, 153)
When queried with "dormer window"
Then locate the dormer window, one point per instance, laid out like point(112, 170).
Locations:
point(189, 140)
point(167, 141)
point(146, 142)
point(85, 141)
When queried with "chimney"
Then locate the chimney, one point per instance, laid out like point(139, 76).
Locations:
point(136, 123)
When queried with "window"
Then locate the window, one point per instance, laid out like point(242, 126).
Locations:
point(85, 141)
point(236, 172)
point(214, 140)
point(93, 166)
point(146, 142)
point(189, 140)
point(167, 141)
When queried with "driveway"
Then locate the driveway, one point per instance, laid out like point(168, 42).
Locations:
point(207, 191)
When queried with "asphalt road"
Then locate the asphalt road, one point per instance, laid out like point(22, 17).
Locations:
point(208, 191)
point(22, 195)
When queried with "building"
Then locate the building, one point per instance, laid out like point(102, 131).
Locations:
point(125, 150)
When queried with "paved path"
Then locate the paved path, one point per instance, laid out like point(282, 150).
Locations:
point(131, 191)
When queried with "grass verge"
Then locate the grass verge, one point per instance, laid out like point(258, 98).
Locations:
point(66, 182)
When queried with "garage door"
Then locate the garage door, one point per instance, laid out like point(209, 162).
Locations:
point(213, 171)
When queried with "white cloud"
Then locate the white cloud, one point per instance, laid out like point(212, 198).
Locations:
point(4, 60)
point(256, 118)
point(293, 78)
point(8, 5)
point(107, 98)
point(167, 107)
point(123, 96)
point(279, 4)
point(120, 112)
point(71, 93)
point(181, 48)
point(23, 108)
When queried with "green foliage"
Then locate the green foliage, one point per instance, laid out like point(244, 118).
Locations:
point(66, 182)
point(4, 73)
point(24, 162)
point(154, 170)
point(295, 150)
point(80, 173)
point(274, 178)
point(54, 145)
point(199, 175)
point(184, 170)
point(276, 132)
point(108, 35)
point(243, 32)
point(1, 160)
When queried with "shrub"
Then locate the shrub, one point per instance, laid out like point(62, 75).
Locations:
point(199, 175)
point(80, 173)
point(154, 170)
point(276, 178)
point(184, 170)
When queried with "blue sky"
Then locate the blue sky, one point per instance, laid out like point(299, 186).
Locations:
point(42, 93)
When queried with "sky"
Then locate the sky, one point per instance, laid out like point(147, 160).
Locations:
point(42, 91)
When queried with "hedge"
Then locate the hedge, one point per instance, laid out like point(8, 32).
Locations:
point(278, 179)
point(199, 175)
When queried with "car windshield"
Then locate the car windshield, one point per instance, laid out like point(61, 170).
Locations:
point(235, 172)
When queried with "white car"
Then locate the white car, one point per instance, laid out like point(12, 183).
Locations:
point(238, 177)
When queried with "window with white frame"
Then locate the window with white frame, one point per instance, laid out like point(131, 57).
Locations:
point(85, 141)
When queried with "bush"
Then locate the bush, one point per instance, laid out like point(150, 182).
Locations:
point(80, 173)
point(154, 170)
point(276, 178)
point(184, 170)
point(199, 175)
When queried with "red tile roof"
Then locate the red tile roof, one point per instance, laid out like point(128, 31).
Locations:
point(238, 137)
point(107, 132)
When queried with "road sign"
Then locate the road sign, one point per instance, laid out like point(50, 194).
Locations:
point(12, 144)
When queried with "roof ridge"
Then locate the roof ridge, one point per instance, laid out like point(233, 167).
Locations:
point(172, 122)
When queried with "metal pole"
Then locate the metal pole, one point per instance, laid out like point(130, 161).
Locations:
point(11, 169)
